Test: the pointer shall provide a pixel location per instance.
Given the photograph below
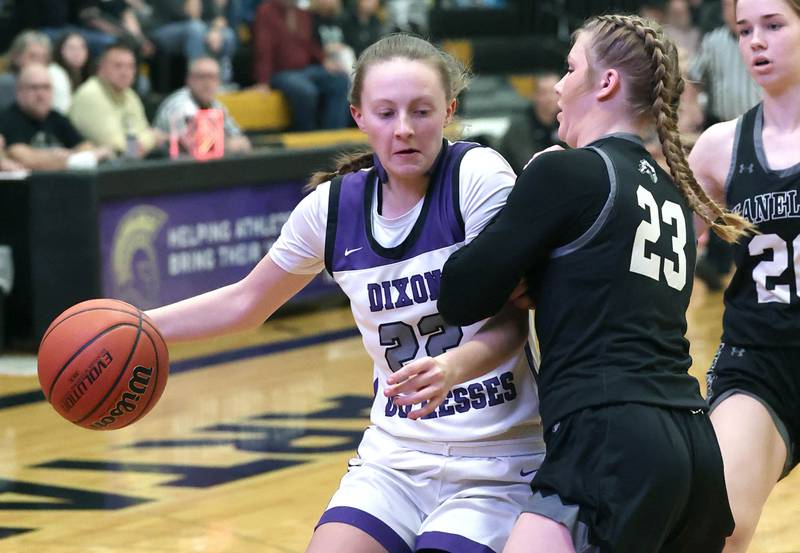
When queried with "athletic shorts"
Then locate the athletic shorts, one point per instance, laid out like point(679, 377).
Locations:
point(463, 499)
point(633, 478)
point(769, 375)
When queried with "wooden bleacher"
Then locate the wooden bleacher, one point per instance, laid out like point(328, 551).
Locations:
point(256, 111)
point(265, 116)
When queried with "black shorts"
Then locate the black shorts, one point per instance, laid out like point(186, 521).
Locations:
point(635, 478)
point(771, 376)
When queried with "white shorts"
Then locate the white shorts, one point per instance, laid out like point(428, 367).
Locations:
point(460, 500)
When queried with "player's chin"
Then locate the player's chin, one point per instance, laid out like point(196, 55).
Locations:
point(408, 167)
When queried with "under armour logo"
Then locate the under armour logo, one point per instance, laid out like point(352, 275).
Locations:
point(646, 169)
point(710, 377)
point(737, 352)
point(349, 251)
point(743, 168)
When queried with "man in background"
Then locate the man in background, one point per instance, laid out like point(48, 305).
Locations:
point(538, 129)
point(288, 56)
point(177, 112)
point(38, 137)
point(108, 112)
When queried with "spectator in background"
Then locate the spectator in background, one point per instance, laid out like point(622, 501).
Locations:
point(681, 29)
point(107, 111)
point(329, 23)
point(544, 125)
point(71, 52)
point(718, 70)
point(52, 17)
point(194, 28)
point(706, 14)
point(40, 138)
point(110, 21)
point(410, 16)
point(9, 23)
point(539, 129)
point(241, 12)
point(6, 163)
point(729, 91)
point(34, 47)
point(675, 17)
point(289, 57)
point(362, 25)
point(654, 9)
point(691, 119)
point(176, 113)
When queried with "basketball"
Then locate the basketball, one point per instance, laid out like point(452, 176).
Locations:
point(102, 364)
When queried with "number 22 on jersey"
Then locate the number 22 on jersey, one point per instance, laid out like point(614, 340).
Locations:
point(649, 231)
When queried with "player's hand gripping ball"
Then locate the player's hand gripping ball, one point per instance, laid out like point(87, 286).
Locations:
point(102, 364)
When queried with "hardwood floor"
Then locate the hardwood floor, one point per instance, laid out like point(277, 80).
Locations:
point(240, 455)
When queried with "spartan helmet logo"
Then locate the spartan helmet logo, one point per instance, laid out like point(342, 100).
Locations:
point(646, 169)
point(134, 261)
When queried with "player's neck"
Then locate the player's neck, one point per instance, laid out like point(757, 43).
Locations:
point(606, 124)
point(782, 111)
point(400, 197)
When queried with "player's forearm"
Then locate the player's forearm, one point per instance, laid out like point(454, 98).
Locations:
point(499, 338)
point(221, 311)
point(233, 308)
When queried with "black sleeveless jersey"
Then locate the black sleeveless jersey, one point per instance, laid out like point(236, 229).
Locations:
point(611, 306)
point(611, 298)
point(762, 302)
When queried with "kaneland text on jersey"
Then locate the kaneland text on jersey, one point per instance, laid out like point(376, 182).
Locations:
point(769, 206)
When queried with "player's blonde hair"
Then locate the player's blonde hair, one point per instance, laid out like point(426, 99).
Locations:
point(639, 48)
point(453, 74)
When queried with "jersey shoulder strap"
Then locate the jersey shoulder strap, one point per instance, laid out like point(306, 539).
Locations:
point(333, 221)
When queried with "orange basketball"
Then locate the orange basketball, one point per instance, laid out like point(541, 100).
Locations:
point(102, 364)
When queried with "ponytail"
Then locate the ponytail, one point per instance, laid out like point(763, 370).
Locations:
point(345, 163)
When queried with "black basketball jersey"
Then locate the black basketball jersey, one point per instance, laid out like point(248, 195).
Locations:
point(762, 302)
point(611, 305)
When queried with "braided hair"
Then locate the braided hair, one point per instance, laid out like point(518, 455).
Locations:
point(454, 76)
point(649, 59)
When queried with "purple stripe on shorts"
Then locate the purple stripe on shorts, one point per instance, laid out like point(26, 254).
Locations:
point(450, 542)
point(373, 526)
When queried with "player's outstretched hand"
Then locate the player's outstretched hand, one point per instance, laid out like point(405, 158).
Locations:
point(424, 380)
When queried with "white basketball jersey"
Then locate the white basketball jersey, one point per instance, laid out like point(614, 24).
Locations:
point(393, 293)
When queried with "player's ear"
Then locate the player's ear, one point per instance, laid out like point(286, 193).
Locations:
point(610, 83)
point(358, 117)
point(451, 112)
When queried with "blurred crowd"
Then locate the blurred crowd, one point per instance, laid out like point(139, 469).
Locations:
point(718, 86)
point(91, 80)
point(85, 81)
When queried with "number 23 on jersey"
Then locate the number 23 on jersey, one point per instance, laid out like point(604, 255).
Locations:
point(651, 264)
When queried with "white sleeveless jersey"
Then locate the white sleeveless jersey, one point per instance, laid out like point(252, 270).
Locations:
point(393, 290)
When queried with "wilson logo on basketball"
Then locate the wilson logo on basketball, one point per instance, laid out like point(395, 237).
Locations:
point(87, 379)
point(138, 383)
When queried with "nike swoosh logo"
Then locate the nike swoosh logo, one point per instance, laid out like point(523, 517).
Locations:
point(348, 251)
point(523, 473)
